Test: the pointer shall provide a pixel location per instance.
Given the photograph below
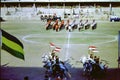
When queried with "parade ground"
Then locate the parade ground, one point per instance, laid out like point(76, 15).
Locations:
point(36, 40)
point(74, 45)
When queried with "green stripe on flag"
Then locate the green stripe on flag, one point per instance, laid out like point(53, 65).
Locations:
point(11, 38)
point(13, 52)
point(12, 45)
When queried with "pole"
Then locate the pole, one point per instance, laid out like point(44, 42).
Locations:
point(64, 10)
point(110, 5)
point(0, 38)
point(34, 6)
point(19, 6)
point(119, 50)
point(79, 9)
point(49, 6)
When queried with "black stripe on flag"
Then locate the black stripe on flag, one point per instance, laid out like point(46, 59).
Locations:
point(12, 38)
point(12, 45)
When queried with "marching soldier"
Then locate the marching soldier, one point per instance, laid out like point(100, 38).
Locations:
point(94, 25)
point(80, 25)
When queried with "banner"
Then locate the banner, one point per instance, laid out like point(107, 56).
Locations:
point(12, 45)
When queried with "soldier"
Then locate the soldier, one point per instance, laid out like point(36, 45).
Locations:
point(48, 26)
point(94, 25)
point(61, 26)
point(72, 26)
point(80, 25)
point(86, 25)
point(54, 17)
point(67, 24)
point(95, 58)
point(55, 25)
point(53, 55)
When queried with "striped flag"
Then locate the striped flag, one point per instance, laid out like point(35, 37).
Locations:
point(57, 49)
point(92, 47)
point(52, 44)
point(12, 45)
point(95, 51)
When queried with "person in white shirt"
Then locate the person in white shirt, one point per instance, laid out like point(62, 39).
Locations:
point(86, 25)
point(94, 25)
point(80, 25)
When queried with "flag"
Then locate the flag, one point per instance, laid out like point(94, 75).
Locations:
point(52, 44)
point(92, 47)
point(95, 51)
point(57, 49)
point(12, 45)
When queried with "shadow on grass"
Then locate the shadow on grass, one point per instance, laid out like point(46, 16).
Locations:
point(38, 73)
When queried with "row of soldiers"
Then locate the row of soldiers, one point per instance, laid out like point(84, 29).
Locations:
point(53, 17)
point(70, 25)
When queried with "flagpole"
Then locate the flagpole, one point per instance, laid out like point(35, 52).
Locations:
point(50, 48)
point(7, 40)
point(119, 49)
point(0, 38)
point(51, 44)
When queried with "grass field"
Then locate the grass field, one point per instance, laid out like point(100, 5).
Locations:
point(74, 44)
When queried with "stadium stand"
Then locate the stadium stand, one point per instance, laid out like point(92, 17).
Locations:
point(32, 9)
